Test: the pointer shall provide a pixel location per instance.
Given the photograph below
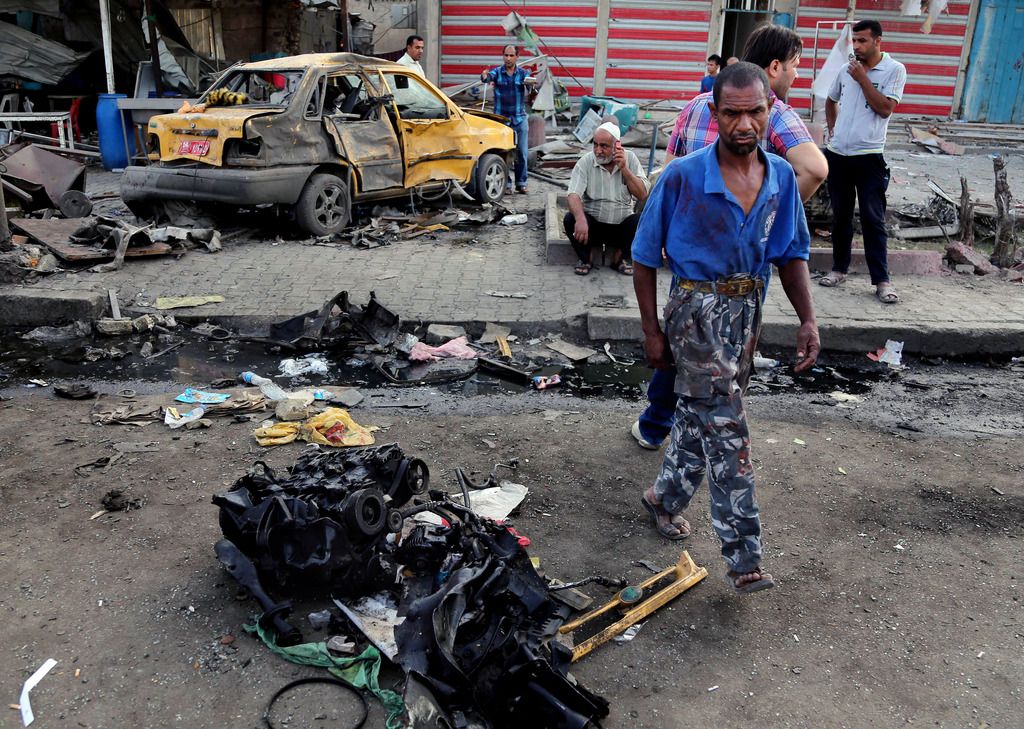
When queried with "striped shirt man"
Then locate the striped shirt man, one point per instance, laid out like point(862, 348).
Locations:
point(604, 194)
point(509, 92)
point(696, 128)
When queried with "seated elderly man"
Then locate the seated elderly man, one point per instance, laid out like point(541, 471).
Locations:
point(605, 185)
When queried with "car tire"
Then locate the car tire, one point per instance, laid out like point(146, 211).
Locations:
point(490, 179)
point(324, 207)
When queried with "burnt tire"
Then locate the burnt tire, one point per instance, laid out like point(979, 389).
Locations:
point(490, 178)
point(324, 207)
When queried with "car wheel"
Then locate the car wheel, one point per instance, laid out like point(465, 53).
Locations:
point(490, 179)
point(324, 207)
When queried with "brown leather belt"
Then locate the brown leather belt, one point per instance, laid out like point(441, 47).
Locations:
point(728, 287)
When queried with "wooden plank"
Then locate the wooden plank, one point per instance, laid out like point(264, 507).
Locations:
point(56, 232)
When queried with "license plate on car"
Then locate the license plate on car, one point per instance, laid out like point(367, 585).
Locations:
point(194, 147)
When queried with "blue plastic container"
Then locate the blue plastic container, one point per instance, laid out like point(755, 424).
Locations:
point(116, 142)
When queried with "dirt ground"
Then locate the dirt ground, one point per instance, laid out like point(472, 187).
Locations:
point(898, 602)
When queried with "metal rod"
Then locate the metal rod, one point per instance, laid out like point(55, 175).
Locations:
point(108, 53)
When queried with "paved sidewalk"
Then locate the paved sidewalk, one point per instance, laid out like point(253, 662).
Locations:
point(446, 280)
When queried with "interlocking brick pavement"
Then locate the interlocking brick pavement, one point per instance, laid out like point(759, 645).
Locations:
point(445, 278)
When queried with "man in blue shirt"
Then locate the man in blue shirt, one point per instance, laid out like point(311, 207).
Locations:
point(723, 216)
point(714, 65)
point(510, 85)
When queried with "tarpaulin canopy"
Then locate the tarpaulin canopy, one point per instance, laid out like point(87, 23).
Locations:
point(34, 58)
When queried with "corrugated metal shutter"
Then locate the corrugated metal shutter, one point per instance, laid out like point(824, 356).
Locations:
point(472, 38)
point(932, 59)
point(197, 25)
point(656, 49)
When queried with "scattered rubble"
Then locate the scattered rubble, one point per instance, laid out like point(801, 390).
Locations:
point(474, 624)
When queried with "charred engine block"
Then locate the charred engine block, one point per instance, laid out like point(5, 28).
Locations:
point(323, 523)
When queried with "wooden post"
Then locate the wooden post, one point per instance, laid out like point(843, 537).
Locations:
point(343, 26)
point(966, 214)
point(1002, 251)
point(154, 47)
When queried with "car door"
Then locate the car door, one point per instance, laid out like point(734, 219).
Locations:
point(364, 133)
point(433, 134)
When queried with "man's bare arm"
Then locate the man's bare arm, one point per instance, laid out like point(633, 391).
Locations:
point(831, 112)
point(645, 284)
point(810, 166)
point(796, 282)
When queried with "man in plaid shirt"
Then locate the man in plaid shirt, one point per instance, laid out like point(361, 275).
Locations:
point(777, 50)
point(510, 85)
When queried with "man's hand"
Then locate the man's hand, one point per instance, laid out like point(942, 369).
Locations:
point(581, 231)
point(856, 69)
point(808, 345)
point(656, 348)
point(619, 156)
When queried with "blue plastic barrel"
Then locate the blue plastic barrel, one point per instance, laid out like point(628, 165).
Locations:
point(116, 142)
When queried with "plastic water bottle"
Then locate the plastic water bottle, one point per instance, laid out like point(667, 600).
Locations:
point(270, 389)
point(319, 394)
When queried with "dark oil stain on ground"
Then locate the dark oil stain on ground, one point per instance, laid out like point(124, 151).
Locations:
point(199, 362)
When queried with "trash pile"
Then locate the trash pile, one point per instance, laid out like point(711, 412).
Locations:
point(387, 225)
point(458, 605)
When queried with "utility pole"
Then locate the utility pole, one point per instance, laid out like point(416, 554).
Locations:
point(154, 47)
point(343, 25)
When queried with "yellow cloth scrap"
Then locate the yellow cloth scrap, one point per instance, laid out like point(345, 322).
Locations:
point(332, 427)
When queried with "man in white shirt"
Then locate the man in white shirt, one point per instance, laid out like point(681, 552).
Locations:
point(413, 53)
point(603, 190)
point(857, 113)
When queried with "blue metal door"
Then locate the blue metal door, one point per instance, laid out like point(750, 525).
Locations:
point(994, 89)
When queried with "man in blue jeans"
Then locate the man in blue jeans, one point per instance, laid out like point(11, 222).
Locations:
point(777, 50)
point(510, 85)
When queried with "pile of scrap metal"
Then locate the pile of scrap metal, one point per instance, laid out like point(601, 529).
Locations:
point(372, 334)
point(35, 179)
point(477, 639)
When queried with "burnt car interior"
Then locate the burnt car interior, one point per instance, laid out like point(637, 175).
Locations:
point(254, 88)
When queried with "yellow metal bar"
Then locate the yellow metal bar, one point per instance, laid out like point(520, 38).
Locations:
point(687, 574)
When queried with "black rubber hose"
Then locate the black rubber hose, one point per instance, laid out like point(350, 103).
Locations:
point(316, 679)
point(460, 476)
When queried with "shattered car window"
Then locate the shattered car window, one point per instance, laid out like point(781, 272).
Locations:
point(414, 100)
point(255, 88)
point(347, 94)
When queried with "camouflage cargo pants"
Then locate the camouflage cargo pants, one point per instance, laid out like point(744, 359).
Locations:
point(713, 337)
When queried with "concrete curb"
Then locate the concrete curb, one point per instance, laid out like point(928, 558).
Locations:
point(29, 307)
point(942, 339)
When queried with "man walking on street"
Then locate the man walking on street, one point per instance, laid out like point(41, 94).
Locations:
point(604, 188)
point(414, 45)
point(722, 215)
point(777, 50)
point(510, 84)
point(857, 112)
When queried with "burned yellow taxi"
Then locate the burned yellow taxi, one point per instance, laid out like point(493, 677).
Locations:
point(315, 134)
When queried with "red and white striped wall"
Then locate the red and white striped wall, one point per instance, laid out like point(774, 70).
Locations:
point(932, 60)
point(472, 37)
point(656, 49)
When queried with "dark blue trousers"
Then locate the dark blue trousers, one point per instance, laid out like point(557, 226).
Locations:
point(864, 178)
point(657, 420)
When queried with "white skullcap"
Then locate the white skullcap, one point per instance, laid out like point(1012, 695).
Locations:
point(610, 127)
